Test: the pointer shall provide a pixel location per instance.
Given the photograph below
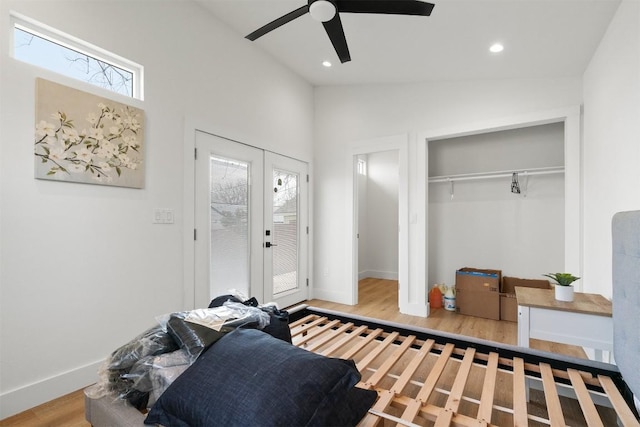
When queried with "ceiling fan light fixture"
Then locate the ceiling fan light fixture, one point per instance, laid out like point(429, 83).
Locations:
point(322, 10)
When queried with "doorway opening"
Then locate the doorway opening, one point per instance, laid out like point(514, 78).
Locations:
point(379, 203)
point(377, 197)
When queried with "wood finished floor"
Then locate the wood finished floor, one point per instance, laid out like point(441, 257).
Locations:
point(377, 298)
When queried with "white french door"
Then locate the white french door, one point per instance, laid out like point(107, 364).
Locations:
point(285, 229)
point(251, 223)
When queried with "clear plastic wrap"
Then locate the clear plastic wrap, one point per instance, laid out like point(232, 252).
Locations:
point(112, 374)
point(154, 340)
point(196, 330)
point(154, 374)
point(166, 368)
point(142, 369)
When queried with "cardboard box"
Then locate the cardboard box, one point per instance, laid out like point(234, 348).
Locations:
point(508, 307)
point(508, 302)
point(478, 292)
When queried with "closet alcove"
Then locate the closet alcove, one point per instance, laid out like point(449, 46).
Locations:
point(476, 216)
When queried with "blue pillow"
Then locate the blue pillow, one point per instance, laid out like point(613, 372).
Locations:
point(250, 378)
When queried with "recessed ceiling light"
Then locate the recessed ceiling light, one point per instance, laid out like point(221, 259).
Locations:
point(496, 48)
point(326, 64)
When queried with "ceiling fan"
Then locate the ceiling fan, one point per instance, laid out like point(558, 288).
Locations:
point(328, 12)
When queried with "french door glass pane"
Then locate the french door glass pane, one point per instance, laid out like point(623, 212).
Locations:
point(229, 225)
point(285, 231)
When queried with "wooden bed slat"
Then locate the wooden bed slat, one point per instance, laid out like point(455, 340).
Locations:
point(434, 375)
point(455, 396)
point(584, 398)
point(382, 371)
point(303, 328)
point(429, 385)
point(520, 417)
point(355, 334)
point(329, 335)
point(626, 416)
point(399, 421)
point(407, 374)
point(355, 349)
point(444, 418)
point(386, 397)
point(488, 388)
point(362, 365)
point(316, 332)
point(302, 321)
point(381, 405)
point(551, 396)
point(432, 412)
point(412, 409)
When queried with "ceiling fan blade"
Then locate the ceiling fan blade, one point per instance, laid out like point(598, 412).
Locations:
point(398, 7)
point(278, 22)
point(336, 35)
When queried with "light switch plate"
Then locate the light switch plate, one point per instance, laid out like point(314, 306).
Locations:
point(163, 216)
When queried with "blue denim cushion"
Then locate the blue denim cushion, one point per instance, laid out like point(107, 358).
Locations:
point(249, 378)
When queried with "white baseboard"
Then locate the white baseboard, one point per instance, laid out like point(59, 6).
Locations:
point(421, 310)
point(387, 275)
point(20, 399)
point(333, 296)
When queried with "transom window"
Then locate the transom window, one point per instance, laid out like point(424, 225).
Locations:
point(362, 167)
point(43, 46)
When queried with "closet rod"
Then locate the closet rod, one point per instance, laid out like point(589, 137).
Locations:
point(498, 174)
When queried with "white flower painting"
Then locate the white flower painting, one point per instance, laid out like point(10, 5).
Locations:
point(80, 137)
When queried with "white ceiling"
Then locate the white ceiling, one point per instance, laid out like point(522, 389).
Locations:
point(542, 38)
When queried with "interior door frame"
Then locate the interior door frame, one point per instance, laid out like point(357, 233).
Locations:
point(392, 143)
point(571, 117)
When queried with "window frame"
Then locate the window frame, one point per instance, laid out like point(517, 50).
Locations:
point(76, 44)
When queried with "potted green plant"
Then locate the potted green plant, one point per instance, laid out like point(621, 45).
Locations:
point(564, 287)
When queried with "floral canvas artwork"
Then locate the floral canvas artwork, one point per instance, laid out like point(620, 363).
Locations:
point(80, 137)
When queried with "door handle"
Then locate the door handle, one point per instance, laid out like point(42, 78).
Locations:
point(269, 244)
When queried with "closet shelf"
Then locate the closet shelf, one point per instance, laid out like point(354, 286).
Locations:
point(496, 174)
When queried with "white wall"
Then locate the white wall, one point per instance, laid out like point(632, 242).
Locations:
point(380, 254)
point(611, 145)
point(83, 269)
point(356, 113)
point(485, 226)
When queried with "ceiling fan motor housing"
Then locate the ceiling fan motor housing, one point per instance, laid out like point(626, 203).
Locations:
point(322, 10)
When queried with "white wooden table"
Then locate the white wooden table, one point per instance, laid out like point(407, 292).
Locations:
point(586, 321)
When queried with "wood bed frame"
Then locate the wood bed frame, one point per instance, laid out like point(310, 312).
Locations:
point(425, 377)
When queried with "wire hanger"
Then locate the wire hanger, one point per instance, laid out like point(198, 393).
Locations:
point(515, 185)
